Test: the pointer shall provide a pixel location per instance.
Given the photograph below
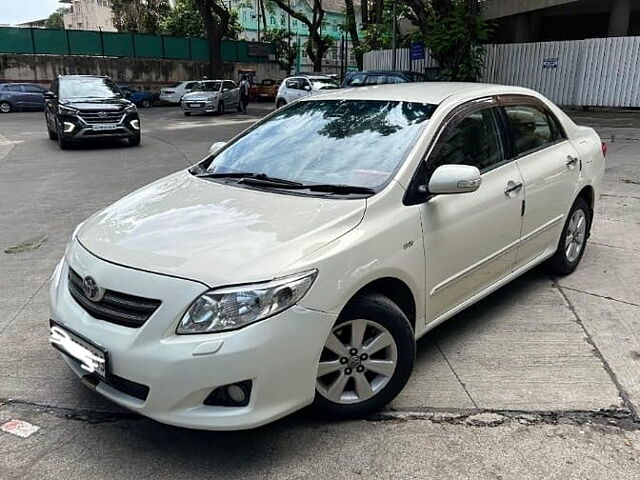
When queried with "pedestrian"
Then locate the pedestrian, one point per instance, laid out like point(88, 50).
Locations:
point(244, 93)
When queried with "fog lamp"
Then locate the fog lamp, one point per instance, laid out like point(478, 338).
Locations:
point(68, 127)
point(135, 124)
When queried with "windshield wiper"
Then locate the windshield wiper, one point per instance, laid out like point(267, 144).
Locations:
point(314, 187)
point(251, 178)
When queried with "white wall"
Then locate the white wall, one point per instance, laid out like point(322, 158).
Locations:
point(602, 72)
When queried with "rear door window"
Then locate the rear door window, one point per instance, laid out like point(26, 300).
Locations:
point(190, 85)
point(531, 128)
point(357, 79)
point(14, 88)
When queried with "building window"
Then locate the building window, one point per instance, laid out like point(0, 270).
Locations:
point(283, 19)
point(272, 20)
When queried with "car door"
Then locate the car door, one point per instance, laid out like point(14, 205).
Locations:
point(293, 89)
point(471, 238)
point(34, 97)
point(550, 166)
point(231, 93)
point(305, 88)
point(16, 95)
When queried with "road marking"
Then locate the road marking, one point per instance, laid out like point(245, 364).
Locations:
point(19, 428)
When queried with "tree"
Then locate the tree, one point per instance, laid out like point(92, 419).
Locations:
point(455, 36)
point(185, 21)
point(141, 16)
point(215, 21)
point(318, 44)
point(286, 54)
point(56, 20)
point(352, 28)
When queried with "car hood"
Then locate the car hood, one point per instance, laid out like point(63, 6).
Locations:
point(198, 95)
point(214, 233)
point(102, 104)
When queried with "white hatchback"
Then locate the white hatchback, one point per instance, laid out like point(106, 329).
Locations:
point(300, 86)
point(297, 264)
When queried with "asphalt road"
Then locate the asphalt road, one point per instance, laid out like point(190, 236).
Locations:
point(540, 380)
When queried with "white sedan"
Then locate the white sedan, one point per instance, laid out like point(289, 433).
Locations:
point(298, 263)
point(211, 96)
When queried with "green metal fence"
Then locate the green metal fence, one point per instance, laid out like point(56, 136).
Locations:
point(108, 44)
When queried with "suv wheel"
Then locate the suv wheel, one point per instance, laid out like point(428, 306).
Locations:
point(5, 107)
point(280, 103)
point(573, 239)
point(366, 360)
point(52, 134)
point(62, 143)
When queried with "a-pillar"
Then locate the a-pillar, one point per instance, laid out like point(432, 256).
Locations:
point(619, 18)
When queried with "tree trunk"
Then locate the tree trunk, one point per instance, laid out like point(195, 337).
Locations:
point(353, 31)
point(215, 57)
point(264, 16)
point(215, 21)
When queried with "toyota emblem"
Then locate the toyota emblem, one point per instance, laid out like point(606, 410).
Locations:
point(91, 289)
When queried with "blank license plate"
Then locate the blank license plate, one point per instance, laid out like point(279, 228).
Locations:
point(196, 104)
point(92, 358)
point(106, 126)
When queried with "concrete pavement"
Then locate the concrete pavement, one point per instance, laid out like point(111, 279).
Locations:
point(549, 357)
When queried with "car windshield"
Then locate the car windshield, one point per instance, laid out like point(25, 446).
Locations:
point(324, 83)
point(348, 142)
point(208, 87)
point(88, 87)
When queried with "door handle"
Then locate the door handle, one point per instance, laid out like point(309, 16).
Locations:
point(512, 187)
point(571, 161)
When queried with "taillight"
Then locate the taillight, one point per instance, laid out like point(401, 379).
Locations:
point(605, 147)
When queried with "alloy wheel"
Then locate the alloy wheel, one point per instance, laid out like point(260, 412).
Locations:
point(576, 235)
point(358, 360)
point(5, 107)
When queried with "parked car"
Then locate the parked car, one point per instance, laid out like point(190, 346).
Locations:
point(137, 96)
point(299, 263)
point(379, 77)
point(211, 96)
point(85, 107)
point(300, 86)
point(21, 96)
point(268, 89)
point(173, 94)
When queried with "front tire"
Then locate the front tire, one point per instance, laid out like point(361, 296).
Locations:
point(220, 110)
point(573, 239)
point(134, 141)
point(52, 135)
point(187, 114)
point(366, 361)
point(5, 107)
point(280, 103)
point(146, 104)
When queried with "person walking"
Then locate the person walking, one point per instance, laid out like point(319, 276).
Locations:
point(244, 93)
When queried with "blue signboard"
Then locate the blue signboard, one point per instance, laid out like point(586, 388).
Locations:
point(550, 63)
point(417, 51)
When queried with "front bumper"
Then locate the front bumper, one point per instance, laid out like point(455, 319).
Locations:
point(199, 106)
point(125, 127)
point(279, 355)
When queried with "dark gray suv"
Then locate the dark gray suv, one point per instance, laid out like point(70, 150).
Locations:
point(85, 107)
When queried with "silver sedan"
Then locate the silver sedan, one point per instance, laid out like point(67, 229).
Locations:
point(211, 96)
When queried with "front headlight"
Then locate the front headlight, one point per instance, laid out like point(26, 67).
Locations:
point(232, 308)
point(213, 96)
point(66, 110)
point(131, 108)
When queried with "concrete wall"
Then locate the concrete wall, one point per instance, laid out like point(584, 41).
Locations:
point(151, 74)
point(504, 8)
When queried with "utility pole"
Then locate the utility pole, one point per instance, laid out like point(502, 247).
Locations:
point(258, 17)
point(393, 39)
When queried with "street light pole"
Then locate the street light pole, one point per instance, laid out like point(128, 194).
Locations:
point(393, 39)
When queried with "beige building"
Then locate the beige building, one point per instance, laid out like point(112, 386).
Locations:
point(89, 15)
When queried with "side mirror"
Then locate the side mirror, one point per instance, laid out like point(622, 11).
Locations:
point(449, 179)
point(215, 147)
point(49, 95)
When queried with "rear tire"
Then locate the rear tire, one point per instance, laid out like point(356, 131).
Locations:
point(366, 361)
point(187, 114)
point(573, 240)
point(146, 104)
point(5, 107)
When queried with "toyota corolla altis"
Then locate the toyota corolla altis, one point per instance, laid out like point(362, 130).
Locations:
point(298, 263)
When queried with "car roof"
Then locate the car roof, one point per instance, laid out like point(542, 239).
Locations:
point(83, 76)
point(426, 92)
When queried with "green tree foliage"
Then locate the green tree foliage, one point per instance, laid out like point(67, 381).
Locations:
point(455, 37)
point(286, 50)
point(55, 20)
point(141, 16)
point(185, 21)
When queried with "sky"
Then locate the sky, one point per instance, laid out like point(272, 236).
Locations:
point(19, 11)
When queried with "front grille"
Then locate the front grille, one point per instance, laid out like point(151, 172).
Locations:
point(101, 117)
point(115, 307)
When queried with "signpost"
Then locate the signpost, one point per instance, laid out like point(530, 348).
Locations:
point(416, 52)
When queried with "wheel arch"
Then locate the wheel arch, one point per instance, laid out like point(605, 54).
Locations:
point(588, 193)
point(395, 290)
